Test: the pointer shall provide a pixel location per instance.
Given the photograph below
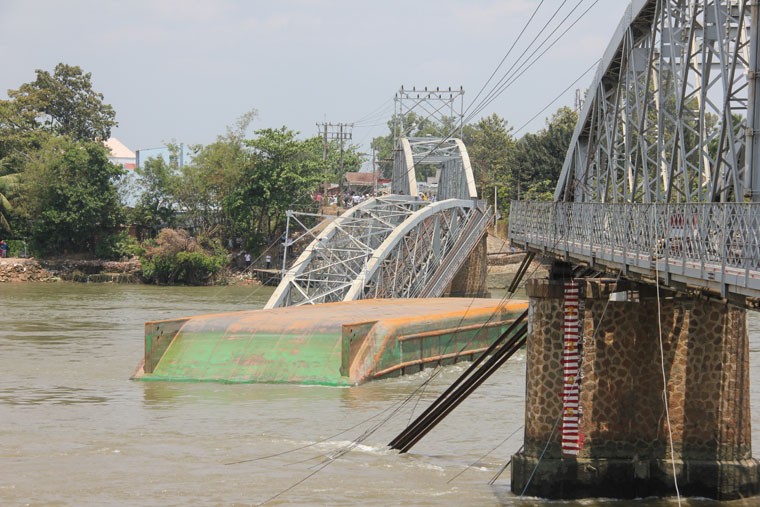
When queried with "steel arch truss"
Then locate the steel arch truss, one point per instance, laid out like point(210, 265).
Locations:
point(386, 247)
point(671, 113)
point(449, 155)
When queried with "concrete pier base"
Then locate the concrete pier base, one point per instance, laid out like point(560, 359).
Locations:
point(471, 279)
point(625, 429)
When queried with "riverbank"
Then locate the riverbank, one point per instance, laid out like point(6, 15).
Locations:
point(502, 265)
point(17, 269)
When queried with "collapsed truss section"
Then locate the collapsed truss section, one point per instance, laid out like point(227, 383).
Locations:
point(383, 248)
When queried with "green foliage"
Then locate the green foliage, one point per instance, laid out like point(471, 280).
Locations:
point(279, 172)
point(489, 145)
point(69, 196)
point(61, 104)
point(64, 103)
point(155, 205)
point(17, 248)
point(176, 258)
point(537, 158)
point(8, 184)
point(118, 245)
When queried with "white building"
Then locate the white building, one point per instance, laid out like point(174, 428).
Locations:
point(121, 155)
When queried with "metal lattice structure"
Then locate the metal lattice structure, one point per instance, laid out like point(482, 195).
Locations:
point(662, 177)
point(672, 113)
point(449, 158)
point(398, 246)
point(391, 247)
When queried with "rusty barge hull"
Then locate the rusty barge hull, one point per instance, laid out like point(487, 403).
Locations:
point(335, 344)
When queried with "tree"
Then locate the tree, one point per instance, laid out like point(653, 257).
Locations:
point(489, 145)
point(538, 158)
point(155, 205)
point(63, 103)
point(69, 196)
point(280, 172)
point(7, 183)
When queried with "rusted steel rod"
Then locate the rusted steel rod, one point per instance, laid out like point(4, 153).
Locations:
point(465, 390)
point(475, 375)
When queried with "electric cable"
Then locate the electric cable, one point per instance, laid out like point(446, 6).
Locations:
point(593, 65)
point(664, 379)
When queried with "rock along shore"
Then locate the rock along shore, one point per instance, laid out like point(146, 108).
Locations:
point(16, 269)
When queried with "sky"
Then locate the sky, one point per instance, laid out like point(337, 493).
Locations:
point(183, 71)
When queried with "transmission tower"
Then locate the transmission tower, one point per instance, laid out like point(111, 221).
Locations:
point(439, 105)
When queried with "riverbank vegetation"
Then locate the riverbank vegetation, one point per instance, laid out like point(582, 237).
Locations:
point(187, 220)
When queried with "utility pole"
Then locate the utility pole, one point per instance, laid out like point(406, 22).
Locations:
point(341, 132)
point(374, 170)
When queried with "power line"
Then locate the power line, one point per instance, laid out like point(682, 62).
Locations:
point(555, 99)
point(512, 76)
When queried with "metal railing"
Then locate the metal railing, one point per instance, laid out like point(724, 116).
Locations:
point(714, 246)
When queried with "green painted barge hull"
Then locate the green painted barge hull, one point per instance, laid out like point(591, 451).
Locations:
point(337, 344)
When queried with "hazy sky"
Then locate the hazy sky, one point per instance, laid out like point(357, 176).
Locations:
point(183, 70)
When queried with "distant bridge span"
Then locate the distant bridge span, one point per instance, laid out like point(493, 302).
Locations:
point(399, 245)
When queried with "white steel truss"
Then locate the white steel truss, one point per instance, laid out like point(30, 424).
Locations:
point(672, 114)
point(452, 167)
point(385, 247)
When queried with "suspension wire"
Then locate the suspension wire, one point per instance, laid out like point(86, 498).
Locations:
point(522, 61)
point(503, 467)
point(375, 114)
point(523, 68)
point(420, 389)
point(665, 383)
point(541, 457)
point(367, 433)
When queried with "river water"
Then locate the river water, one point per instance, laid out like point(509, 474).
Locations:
point(75, 431)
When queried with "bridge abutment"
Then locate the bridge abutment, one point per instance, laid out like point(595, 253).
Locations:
point(596, 423)
point(471, 279)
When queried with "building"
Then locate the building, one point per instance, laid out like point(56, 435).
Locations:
point(121, 155)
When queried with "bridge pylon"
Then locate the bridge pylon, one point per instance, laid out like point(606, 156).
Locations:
point(614, 411)
point(647, 393)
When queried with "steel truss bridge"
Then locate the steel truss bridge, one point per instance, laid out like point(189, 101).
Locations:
point(397, 246)
point(662, 177)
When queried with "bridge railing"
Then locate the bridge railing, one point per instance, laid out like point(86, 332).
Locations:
point(705, 244)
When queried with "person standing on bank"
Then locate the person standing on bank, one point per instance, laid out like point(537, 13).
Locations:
point(247, 258)
point(269, 261)
point(3, 249)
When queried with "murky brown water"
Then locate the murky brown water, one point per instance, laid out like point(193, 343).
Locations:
point(74, 431)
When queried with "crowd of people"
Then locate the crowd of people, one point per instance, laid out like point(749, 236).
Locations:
point(350, 199)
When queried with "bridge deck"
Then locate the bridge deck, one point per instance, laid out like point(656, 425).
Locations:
point(707, 246)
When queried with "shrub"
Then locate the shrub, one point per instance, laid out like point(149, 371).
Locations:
point(176, 258)
point(117, 246)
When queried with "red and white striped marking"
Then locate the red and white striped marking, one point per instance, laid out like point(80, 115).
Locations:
point(571, 361)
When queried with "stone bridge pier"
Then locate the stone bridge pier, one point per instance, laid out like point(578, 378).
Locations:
point(596, 420)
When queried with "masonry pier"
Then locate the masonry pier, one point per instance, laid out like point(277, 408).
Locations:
point(596, 423)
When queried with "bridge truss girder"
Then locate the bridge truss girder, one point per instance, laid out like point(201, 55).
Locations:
point(450, 160)
point(671, 115)
point(385, 247)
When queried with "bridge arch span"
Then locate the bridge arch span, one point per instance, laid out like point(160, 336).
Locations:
point(393, 246)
